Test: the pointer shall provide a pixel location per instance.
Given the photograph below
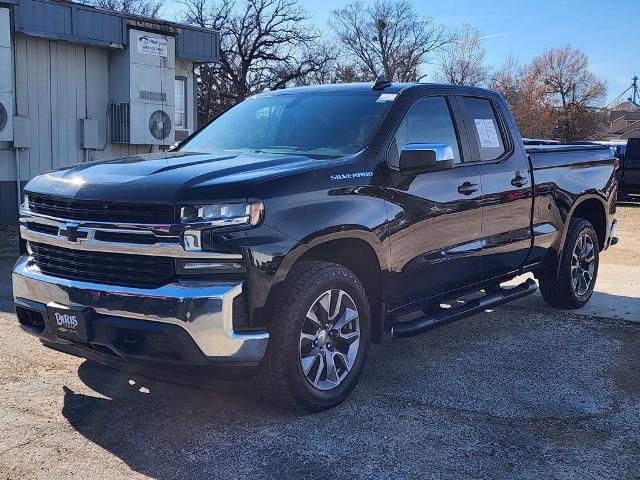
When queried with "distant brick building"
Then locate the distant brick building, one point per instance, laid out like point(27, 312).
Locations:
point(624, 121)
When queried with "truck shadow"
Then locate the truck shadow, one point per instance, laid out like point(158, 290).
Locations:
point(504, 378)
point(601, 305)
point(158, 429)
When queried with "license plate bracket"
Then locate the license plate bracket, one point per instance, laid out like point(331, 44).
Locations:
point(69, 322)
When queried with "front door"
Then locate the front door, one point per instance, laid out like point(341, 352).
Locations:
point(434, 218)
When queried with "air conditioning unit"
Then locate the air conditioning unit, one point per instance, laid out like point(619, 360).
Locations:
point(6, 117)
point(6, 83)
point(141, 124)
point(181, 134)
point(142, 90)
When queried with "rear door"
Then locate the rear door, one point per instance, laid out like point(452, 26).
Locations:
point(435, 217)
point(507, 191)
point(632, 165)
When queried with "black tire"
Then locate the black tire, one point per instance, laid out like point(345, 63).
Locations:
point(280, 377)
point(559, 290)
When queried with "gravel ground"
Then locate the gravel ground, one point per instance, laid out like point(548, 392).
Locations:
point(515, 393)
point(8, 241)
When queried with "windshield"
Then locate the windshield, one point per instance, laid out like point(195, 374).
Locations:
point(317, 125)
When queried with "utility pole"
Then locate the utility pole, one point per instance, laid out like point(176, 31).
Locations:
point(634, 86)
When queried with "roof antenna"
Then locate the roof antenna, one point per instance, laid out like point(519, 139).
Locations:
point(381, 83)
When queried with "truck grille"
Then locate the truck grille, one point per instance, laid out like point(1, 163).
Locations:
point(126, 270)
point(90, 210)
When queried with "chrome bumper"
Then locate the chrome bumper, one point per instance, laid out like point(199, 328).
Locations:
point(204, 310)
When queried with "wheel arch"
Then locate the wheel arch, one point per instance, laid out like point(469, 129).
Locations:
point(590, 207)
point(594, 209)
point(360, 251)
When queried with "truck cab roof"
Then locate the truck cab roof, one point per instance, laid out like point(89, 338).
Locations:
point(367, 88)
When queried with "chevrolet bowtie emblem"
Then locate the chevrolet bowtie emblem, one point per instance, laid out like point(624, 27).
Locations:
point(70, 230)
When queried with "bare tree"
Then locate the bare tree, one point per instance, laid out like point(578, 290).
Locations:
point(506, 79)
point(265, 44)
point(518, 87)
point(533, 112)
point(387, 38)
point(462, 62)
point(146, 8)
point(334, 70)
point(566, 77)
point(573, 91)
point(555, 96)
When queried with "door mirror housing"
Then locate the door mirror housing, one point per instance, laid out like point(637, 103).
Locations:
point(417, 158)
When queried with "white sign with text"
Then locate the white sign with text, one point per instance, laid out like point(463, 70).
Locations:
point(153, 45)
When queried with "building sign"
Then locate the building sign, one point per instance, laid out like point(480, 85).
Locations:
point(153, 45)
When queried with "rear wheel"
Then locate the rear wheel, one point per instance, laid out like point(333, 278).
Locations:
point(573, 286)
point(318, 339)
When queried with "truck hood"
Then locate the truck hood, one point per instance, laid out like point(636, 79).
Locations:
point(169, 177)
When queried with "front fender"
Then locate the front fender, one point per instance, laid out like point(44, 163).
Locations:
point(320, 238)
point(313, 218)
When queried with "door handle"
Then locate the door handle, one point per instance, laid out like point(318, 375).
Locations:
point(467, 188)
point(519, 181)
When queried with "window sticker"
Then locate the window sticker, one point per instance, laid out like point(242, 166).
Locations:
point(487, 133)
point(386, 97)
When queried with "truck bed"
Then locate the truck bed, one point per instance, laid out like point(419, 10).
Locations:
point(547, 156)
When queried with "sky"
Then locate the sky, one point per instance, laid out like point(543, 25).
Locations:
point(608, 31)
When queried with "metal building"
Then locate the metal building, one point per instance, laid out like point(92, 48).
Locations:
point(79, 83)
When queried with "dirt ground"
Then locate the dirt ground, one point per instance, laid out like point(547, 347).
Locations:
point(627, 251)
point(521, 392)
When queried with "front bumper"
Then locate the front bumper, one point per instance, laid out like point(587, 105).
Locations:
point(190, 322)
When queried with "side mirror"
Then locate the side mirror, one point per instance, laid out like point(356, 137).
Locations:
point(417, 158)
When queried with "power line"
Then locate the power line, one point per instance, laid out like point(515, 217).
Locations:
point(635, 95)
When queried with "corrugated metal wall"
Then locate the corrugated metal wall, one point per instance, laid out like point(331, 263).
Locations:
point(78, 23)
point(56, 85)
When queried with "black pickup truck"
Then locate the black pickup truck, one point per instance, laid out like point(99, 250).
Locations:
point(286, 235)
point(628, 154)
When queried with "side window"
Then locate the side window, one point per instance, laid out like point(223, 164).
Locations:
point(427, 121)
point(482, 121)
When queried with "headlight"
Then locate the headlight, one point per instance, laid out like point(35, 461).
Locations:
point(224, 214)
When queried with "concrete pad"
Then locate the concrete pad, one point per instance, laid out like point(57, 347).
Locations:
point(616, 294)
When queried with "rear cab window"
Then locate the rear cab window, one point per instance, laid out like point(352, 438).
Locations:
point(482, 121)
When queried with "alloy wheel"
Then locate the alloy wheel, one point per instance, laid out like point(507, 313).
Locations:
point(583, 264)
point(329, 339)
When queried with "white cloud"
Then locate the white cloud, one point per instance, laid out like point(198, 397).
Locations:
point(496, 35)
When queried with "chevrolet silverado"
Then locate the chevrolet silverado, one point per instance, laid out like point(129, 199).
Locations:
point(286, 235)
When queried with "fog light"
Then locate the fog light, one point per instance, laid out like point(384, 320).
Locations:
point(204, 266)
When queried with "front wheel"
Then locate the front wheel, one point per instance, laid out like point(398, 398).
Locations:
point(318, 338)
point(573, 286)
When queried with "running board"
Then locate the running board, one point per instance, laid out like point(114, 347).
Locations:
point(443, 316)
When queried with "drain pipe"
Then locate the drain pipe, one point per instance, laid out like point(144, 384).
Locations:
point(19, 196)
